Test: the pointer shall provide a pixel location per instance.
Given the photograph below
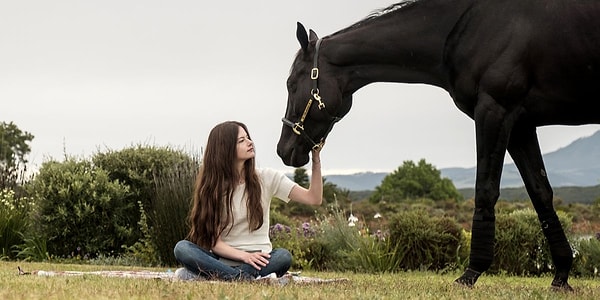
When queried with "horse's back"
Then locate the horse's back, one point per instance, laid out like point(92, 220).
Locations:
point(537, 52)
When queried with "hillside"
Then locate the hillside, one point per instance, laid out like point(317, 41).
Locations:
point(577, 164)
point(568, 194)
point(357, 182)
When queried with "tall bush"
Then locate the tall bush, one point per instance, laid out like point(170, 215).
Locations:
point(587, 257)
point(331, 247)
point(295, 239)
point(520, 247)
point(139, 166)
point(160, 178)
point(80, 210)
point(14, 220)
point(174, 191)
point(425, 242)
point(341, 243)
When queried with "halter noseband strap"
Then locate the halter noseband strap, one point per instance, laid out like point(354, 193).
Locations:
point(298, 127)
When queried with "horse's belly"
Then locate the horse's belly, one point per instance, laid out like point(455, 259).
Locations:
point(546, 108)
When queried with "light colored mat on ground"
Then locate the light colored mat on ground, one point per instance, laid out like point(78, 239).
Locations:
point(288, 278)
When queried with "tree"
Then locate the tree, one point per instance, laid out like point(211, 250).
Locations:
point(331, 194)
point(13, 151)
point(301, 177)
point(412, 181)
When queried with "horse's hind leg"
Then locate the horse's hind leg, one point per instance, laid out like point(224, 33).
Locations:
point(524, 148)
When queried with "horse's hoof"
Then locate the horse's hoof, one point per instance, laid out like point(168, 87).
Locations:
point(464, 282)
point(468, 279)
point(561, 286)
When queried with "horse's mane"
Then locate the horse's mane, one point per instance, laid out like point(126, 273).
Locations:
point(373, 15)
point(378, 13)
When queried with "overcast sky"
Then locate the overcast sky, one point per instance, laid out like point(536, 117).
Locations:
point(87, 76)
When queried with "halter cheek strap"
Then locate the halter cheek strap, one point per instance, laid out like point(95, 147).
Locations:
point(314, 76)
point(298, 127)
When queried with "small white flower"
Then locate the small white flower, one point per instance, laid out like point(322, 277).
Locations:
point(377, 216)
point(352, 219)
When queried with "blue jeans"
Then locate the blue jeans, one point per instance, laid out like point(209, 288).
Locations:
point(207, 264)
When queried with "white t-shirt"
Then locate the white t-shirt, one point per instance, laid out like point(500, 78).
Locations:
point(273, 184)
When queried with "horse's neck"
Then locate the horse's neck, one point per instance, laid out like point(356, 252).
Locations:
point(406, 45)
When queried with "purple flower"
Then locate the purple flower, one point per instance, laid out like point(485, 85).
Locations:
point(277, 230)
point(307, 230)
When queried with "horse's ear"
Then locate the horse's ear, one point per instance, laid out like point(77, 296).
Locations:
point(302, 36)
point(313, 36)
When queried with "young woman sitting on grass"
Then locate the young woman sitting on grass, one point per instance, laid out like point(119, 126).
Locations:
point(229, 235)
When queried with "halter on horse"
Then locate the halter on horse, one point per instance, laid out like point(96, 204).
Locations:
point(298, 127)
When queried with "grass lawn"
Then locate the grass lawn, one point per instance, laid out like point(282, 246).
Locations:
point(406, 285)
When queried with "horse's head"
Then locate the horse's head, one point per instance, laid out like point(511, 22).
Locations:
point(315, 101)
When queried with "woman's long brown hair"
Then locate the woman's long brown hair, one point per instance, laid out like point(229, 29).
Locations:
point(211, 213)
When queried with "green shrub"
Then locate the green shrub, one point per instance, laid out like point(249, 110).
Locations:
point(520, 247)
point(145, 250)
point(333, 237)
point(151, 173)
point(79, 210)
point(295, 240)
point(139, 166)
point(340, 245)
point(372, 254)
point(14, 220)
point(587, 257)
point(318, 246)
point(168, 219)
point(425, 242)
point(33, 248)
point(277, 217)
point(320, 256)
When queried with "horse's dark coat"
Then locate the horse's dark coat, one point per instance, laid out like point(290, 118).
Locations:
point(510, 65)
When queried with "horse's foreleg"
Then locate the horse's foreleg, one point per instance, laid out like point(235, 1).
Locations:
point(524, 148)
point(492, 128)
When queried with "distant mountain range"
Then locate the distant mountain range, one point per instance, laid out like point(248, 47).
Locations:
point(577, 164)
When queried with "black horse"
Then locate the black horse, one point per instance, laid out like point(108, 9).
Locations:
point(510, 65)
